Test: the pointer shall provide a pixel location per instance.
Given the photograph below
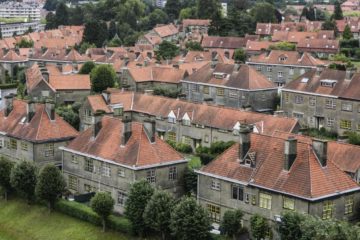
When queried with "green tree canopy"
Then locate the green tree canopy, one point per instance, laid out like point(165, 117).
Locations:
point(158, 16)
point(172, 9)
point(62, 14)
point(87, 67)
point(240, 55)
point(112, 30)
point(207, 8)
point(284, 46)
point(347, 34)
point(50, 21)
point(231, 223)
point(189, 12)
point(5, 171)
point(103, 204)
point(50, 185)
point(193, 46)
point(139, 195)
point(263, 12)
point(68, 113)
point(24, 43)
point(23, 179)
point(167, 50)
point(95, 32)
point(338, 14)
point(102, 77)
point(259, 227)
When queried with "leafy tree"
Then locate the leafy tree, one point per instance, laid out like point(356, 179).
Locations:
point(50, 21)
point(231, 224)
point(62, 14)
point(115, 42)
point(5, 171)
point(240, 55)
point(85, 46)
point(50, 5)
point(23, 179)
point(95, 32)
point(189, 12)
point(193, 46)
point(112, 30)
point(21, 90)
point(207, 8)
point(237, 6)
point(140, 194)
point(70, 115)
point(290, 226)
point(190, 181)
point(284, 46)
point(87, 67)
point(189, 220)
point(24, 43)
point(259, 227)
point(158, 16)
point(167, 50)
point(50, 185)
point(102, 77)
point(242, 23)
point(338, 14)
point(172, 9)
point(103, 204)
point(158, 212)
point(329, 24)
point(347, 34)
point(76, 16)
point(263, 12)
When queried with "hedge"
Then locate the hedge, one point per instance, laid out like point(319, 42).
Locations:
point(8, 85)
point(85, 213)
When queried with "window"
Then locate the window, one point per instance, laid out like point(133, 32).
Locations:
point(299, 99)
point(237, 193)
point(220, 91)
point(233, 94)
point(345, 124)
point(74, 159)
point(171, 119)
point(269, 69)
point(291, 71)
point(215, 185)
point(298, 115)
point(49, 150)
point(280, 74)
point(265, 201)
point(288, 203)
point(150, 176)
point(258, 68)
point(118, 111)
point(195, 88)
point(312, 101)
point(214, 212)
point(328, 208)
point(13, 144)
point(186, 140)
point(171, 136)
point(172, 173)
point(87, 188)
point(105, 169)
point(73, 183)
point(330, 103)
point(349, 205)
point(24, 146)
point(121, 172)
point(89, 165)
point(206, 89)
point(121, 198)
point(330, 122)
point(286, 97)
point(186, 122)
point(206, 138)
point(1, 143)
point(346, 107)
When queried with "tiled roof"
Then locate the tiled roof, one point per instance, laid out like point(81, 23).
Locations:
point(196, 22)
point(305, 179)
point(258, 45)
point(97, 102)
point(39, 129)
point(271, 28)
point(60, 55)
point(157, 74)
point(318, 45)
point(12, 56)
point(295, 37)
point(241, 77)
point(223, 42)
point(166, 30)
point(354, 24)
point(138, 151)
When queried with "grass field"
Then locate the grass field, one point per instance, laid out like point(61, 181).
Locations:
point(18, 221)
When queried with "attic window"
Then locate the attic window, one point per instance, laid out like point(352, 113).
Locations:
point(328, 83)
point(282, 58)
point(304, 80)
point(219, 75)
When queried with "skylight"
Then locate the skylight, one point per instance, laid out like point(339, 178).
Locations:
point(304, 80)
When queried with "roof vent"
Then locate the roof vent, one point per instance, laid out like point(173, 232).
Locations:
point(304, 80)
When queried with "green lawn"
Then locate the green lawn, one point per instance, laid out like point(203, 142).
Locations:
point(18, 221)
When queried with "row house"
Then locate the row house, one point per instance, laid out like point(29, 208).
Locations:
point(214, 55)
point(268, 29)
point(257, 47)
point(322, 48)
point(329, 100)
point(59, 56)
point(231, 85)
point(10, 60)
point(282, 67)
point(182, 121)
point(295, 37)
point(60, 83)
point(33, 132)
point(229, 43)
point(353, 23)
point(194, 29)
point(160, 33)
point(268, 175)
point(114, 153)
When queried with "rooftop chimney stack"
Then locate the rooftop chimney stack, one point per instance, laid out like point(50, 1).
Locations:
point(290, 151)
point(97, 122)
point(320, 148)
point(9, 101)
point(150, 129)
point(50, 109)
point(244, 147)
point(126, 131)
point(30, 110)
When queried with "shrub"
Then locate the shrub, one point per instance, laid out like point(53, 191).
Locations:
point(180, 147)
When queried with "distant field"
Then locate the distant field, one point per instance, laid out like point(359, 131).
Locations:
point(18, 221)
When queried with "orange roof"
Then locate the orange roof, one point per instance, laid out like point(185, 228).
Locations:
point(97, 103)
point(12, 56)
point(196, 22)
point(157, 74)
point(70, 82)
point(166, 30)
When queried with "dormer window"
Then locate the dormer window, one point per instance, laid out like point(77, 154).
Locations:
point(118, 110)
point(282, 58)
point(219, 75)
point(171, 117)
point(328, 83)
point(186, 120)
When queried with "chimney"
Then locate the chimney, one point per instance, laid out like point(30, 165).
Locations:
point(320, 148)
point(126, 131)
point(97, 122)
point(244, 147)
point(150, 129)
point(106, 95)
point(50, 109)
point(349, 73)
point(30, 110)
point(45, 75)
point(290, 151)
point(9, 99)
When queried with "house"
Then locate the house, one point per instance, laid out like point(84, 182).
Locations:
point(295, 37)
point(160, 33)
point(269, 29)
point(181, 121)
point(200, 26)
point(59, 83)
point(10, 62)
point(215, 42)
point(215, 55)
point(320, 47)
point(329, 100)
point(114, 153)
point(58, 56)
point(231, 85)
point(282, 67)
point(353, 23)
point(33, 132)
point(257, 47)
point(268, 175)
point(142, 79)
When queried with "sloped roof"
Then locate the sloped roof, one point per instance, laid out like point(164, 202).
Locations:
point(223, 42)
point(196, 22)
point(158, 74)
point(166, 30)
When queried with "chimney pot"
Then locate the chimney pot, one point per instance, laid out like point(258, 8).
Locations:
point(244, 146)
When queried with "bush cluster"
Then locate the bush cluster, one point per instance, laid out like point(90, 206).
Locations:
point(180, 147)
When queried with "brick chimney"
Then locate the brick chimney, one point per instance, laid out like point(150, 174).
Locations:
point(50, 109)
point(290, 151)
point(126, 131)
point(30, 110)
point(320, 148)
point(150, 129)
point(245, 144)
point(9, 101)
point(98, 115)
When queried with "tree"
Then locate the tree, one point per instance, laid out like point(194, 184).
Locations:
point(5, 171)
point(190, 181)
point(189, 12)
point(76, 16)
point(95, 32)
point(112, 30)
point(85, 46)
point(50, 5)
point(263, 12)
point(62, 14)
point(290, 225)
point(167, 50)
point(172, 9)
point(103, 204)
point(231, 224)
point(207, 8)
point(329, 24)
point(50, 185)
point(102, 77)
point(259, 227)
point(158, 16)
point(193, 46)
point(23, 179)
point(115, 42)
point(338, 14)
point(189, 220)
point(50, 21)
point(24, 43)
point(347, 34)
point(284, 46)
point(240, 55)
point(139, 195)
point(157, 213)
point(87, 67)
